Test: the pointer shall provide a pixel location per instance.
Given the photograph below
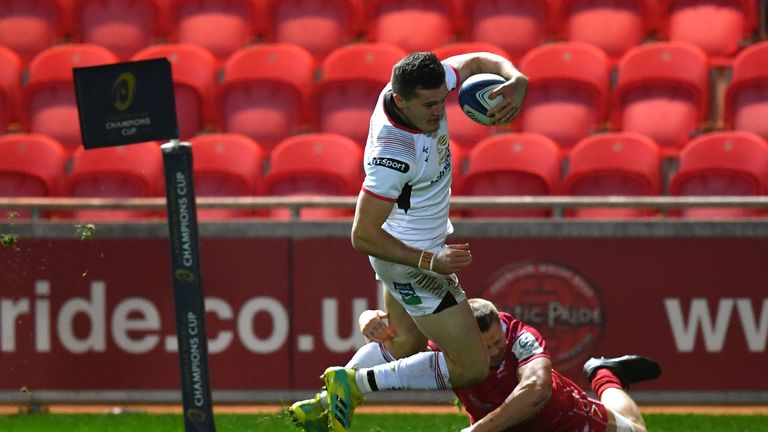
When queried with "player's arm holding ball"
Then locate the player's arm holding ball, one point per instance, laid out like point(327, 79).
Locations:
point(512, 91)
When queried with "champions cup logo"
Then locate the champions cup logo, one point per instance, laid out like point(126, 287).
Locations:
point(195, 415)
point(558, 302)
point(184, 275)
point(123, 91)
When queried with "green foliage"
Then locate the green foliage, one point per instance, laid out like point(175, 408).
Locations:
point(85, 231)
point(8, 239)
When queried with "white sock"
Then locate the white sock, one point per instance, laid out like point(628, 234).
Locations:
point(422, 371)
point(369, 355)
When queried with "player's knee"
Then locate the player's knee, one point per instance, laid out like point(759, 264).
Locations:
point(404, 346)
point(477, 375)
point(470, 374)
point(483, 363)
point(478, 367)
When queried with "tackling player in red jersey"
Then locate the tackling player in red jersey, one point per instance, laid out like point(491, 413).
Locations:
point(523, 393)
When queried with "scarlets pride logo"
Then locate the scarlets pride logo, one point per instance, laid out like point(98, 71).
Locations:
point(555, 300)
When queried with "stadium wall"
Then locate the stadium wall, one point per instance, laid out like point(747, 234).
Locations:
point(92, 320)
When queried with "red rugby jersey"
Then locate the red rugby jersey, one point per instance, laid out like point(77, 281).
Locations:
point(569, 407)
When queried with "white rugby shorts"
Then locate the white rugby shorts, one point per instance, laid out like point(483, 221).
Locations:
point(421, 292)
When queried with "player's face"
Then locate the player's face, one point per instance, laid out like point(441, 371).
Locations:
point(426, 109)
point(496, 343)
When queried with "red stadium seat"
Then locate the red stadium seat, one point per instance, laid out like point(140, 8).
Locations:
point(30, 26)
point(464, 47)
point(132, 171)
point(265, 91)
point(319, 26)
point(718, 27)
point(226, 165)
point(220, 26)
point(615, 163)
point(194, 81)
point(122, 26)
point(413, 25)
point(164, 15)
point(614, 26)
point(662, 91)
point(32, 165)
point(516, 26)
point(512, 164)
point(10, 85)
point(351, 79)
point(48, 99)
point(746, 97)
point(319, 164)
point(462, 129)
point(728, 163)
point(567, 93)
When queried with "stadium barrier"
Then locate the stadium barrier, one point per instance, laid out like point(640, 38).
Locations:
point(90, 318)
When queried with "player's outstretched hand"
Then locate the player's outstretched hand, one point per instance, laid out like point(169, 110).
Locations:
point(452, 258)
point(374, 325)
point(514, 92)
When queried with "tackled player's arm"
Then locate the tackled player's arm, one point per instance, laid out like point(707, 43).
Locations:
point(529, 396)
point(370, 238)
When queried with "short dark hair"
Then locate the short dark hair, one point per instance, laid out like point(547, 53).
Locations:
point(485, 313)
point(420, 70)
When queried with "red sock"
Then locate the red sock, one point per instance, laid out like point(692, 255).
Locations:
point(604, 379)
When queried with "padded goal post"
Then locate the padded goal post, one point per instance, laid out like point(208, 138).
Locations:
point(131, 102)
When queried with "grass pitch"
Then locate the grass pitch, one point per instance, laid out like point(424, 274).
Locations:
point(363, 423)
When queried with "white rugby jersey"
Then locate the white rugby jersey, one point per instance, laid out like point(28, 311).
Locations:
point(412, 169)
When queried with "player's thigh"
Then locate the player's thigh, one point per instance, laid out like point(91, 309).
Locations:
point(455, 331)
point(408, 338)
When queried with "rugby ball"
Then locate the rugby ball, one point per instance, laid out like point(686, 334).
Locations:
point(475, 99)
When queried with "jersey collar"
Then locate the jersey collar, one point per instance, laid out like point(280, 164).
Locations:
point(394, 116)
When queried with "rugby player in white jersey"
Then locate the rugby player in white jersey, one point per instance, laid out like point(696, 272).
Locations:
point(401, 222)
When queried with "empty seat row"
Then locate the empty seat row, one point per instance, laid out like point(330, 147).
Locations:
point(509, 164)
point(225, 165)
point(616, 164)
point(223, 26)
point(270, 91)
